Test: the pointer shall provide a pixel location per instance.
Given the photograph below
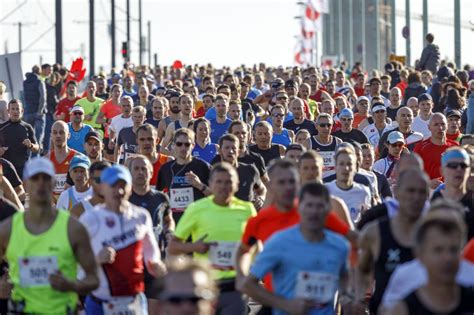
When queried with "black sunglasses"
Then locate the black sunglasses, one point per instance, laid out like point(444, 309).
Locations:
point(456, 165)
point(180, 144)
point(181, 299)
point(278, 115)
point(323, 125)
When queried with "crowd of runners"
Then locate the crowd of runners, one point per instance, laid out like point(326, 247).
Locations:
point(203, 190)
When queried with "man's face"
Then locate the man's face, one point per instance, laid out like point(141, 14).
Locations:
point(221, 108)
point(241, 132)
point(235, 111)
point(278, 116)
point(426, 107)
point(282, 99)
point(330, 87)
point(258, 81)
point(367, 159)
point(138, 118)
point(77, 117)
point(60, 135)
point(425, 78)
point(223, 185)
point(438, 127)
point(346, 123)
point(244, 91)
point(324, 126)
point(296, 108)
point(100, 85)
point(15, 111)
point(140, 172)
point(413, 105)
point(313, 211)
point(346, 166)
point(91, 88)
point(412, 195)
point(229, 151)
point(128, 83)
point(380, 115)
point(361, 80)
point(146, 141)
point(79, 176)
point(291, 91)
point(183, 146)
point(454, 124)
point(314, 83)
point(126, 107)
point(93, 148)
point(395, 97)
point(40, 187)
point(363, 106)
point(456, 172)
point(310, 170)
point(225, 91)
point(284, 186)
point(263, 136)
point(385, 84)
point(305, 91)
point(234, 95)
point(404, 118)
point(113, 195)
point(186, 105)
point(340, 79)
point(174, 105)
point(395, 149)
point(71, 90)
point(327, 107)
point(207, 102)
point(158, 110)
point(375, 88)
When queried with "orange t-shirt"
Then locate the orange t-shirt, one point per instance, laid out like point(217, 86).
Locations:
point(162, 159)
point(61, 169)
point(110, 110)
point(468, 252)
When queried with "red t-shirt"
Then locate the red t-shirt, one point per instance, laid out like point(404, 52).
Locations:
point(110, 110)
point(468, 252)
point(317, 96)
point(431, 155)
point(360, 91)
point(64, 106)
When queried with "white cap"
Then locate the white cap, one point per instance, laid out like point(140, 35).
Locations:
point(395, 136)
point(38, 165)
point(76, 108)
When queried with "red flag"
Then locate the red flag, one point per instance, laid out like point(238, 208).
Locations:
point(311, 12)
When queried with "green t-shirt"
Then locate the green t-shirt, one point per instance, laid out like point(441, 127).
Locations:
point(91, 108)
point(224, 225)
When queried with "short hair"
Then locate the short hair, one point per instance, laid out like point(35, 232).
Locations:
point(228, 137)
point(236, 123)
point(223, 167)
point(222, 86)
point(185, 95)
point(386, 77)
point(345, 150)
point(149, 128)
point(311, 155)
point(183, 132)
point(429, 37)
point(139, 157)
point(446, 222)
point(278, 106)
point(139, 109)
point(222, 97)
point(211, 96)
point(163, 100)
point(280, 164)
point(99, 166)
point(264, 124)
point(198, 121)
point(15, 101)
point(315, 189)
point(127, 98)
point(72, 82)
point(375, 79)
point(324, 115)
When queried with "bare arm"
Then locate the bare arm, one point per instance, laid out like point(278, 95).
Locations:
point(77, 210)
point(339, 206)
point(243, 261)
point(100, 118)
point(10, 193)
point(20, 192)
point(179, 247)
point(368, 241)
point(161, 129)
point(167, 139)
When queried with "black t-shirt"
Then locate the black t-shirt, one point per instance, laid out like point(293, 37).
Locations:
point(7, 209)
point(152, 121)
point(392, 112)
point(383, 185)
point(252, 158)
point(10, 173)
point(128, 139)
point(172, 175)
point(156, 202)
point(12, 135)
point(307, 124)
point(355, 135)
point(375, 213)
point(248, 179)
point(267, 155)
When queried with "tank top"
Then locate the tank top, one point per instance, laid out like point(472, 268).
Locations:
point(168, 121)
point(177, 125)
point(283, 138)
point(269, 154)
point(391, 255)
point(162, 159)
point(87, 205)
point(33, 258)
point(61, 171)
point(415, 307)
point(327, 152)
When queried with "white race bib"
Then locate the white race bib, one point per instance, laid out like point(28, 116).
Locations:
point(35, 270)
point(329, 161)
point(318, 286)
point(222, 255)
point(60, 182)
point(122, 306)
point(180, 198)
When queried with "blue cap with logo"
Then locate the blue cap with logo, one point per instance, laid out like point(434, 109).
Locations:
point(111, 175)
point(80, 161)
point(346, 112)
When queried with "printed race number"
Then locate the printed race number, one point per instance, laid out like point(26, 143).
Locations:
point(318, 286)
point(222, 255)
point(35, 271)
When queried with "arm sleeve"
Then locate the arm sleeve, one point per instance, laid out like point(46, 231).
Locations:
point(267, 260)
point(249, 238)
point(31, 134)
point(11, 174)
point(150, 246)
point(62, 200)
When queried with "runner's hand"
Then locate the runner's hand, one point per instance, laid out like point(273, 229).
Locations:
point(193, 179)
point(60, 283)
point(299, 306)
point(88, 117)
point(5, 287)
point(202, 247)
point(157, 269)
point(106, 255)
point(27, 143)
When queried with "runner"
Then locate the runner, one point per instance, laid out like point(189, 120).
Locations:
point(110, 109)
point(43, 248)
point(64, 106)
point(281, 135)
point(454, 125)
point(128, 137)
point(385, 244)
point(395, 103)
point(213, 241)
point(79, 171)
point(93, 146)
point(375, 130)
point(174, 112)
point(91, 105)
point(159, 110)
point(299, 121)
point(263, 133)
point(395, 145)
point(117, 124)
point(347, 133)
point(308, 263)
point(123, 242)
point(184, 179)
point(362, 112)
point(421, 121)
point(186, 105)
point(77, 129)
point(204, 149)
point(294, 152)
point(221, 123)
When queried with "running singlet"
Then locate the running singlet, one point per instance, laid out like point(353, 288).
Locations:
point(283, 138)
point(162, 159)
point(207, 153)
point(33, 258)
point(130, 234)
point(465, 306)
point(61, 172)
point(327, 152)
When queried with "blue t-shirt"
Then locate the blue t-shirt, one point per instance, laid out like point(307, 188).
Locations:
point(217, 130)
point(207, 153)
point(211, 113)
point(76, 140)
point(289, 257)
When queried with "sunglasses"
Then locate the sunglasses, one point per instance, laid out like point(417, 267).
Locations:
point(346, 119)
point(279, 115)
point(282, 98)
point(77, 113)
point(323, 125)
point(181, 299)
point(180, 144)
point(396, 145)
point(379, 111)
point(456, 165)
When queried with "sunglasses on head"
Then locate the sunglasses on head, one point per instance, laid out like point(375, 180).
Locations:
point(456, 165)
point(180, 144)
point(324, 125)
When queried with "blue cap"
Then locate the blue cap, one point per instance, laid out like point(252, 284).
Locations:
point(80, 161)
point(346, 112)
point(111, 175)
point(457, 153)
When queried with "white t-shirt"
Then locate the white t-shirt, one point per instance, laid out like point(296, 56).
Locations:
point(356, 198)
point(421, 126)
point(118, 123)
point(412, 275)
point(374, 183)
point(65, 202)
point(373, 133)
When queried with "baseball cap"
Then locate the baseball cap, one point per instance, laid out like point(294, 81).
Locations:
point(150, 78)
point(362, 98)
point(290, 84)
point(80, 161)
point(378, 106)
point(395, 137)
point(172, 93)
point(38, 165)
point(452, 113)
point(93, 135)
point(424, 97)
point(76, 108)
point(111, 175)
point(295, 146)
point(457, 153)
point(346, 112)
point(277, 83)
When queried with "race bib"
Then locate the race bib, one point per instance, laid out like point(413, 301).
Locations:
point(222, 256)
point(318, 286)
point(129, 155)
point(328, 160)
point(35, 271)
point(180, 198)
point(123, 306)
point(60, 181)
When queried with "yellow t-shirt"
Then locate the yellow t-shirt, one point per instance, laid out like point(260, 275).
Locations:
point(91, 108)
point(224, 225)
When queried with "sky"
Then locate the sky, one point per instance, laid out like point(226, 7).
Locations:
point(223, 32)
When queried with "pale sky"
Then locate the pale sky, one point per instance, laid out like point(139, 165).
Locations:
point(225, 32)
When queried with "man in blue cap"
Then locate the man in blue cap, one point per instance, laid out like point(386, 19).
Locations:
point(123, 243)
point(79, 172)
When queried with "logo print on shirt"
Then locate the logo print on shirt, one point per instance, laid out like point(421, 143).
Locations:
point(393, 255)
point(110, 222)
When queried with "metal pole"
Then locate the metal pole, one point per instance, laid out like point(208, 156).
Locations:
point(140, 37)
point(457, 33)
point(425, 21)
point(351, 38)
point(363, 33)
point(155, 57)
point(340, 31)
point(407, 24)
point(377, 34)
point(128, 29)
point(19, 37)
point(112, 32)
point(393, 18)
point(149, 43)
point(59, 32)
point(91, 39)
